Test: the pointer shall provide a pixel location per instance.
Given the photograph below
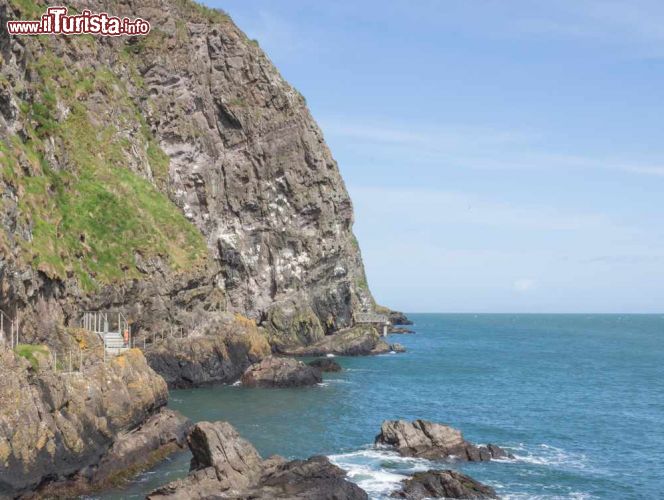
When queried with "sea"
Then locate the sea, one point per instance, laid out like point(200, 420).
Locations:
point(577, 399)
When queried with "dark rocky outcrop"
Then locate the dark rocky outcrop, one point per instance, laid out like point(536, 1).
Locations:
point(443, 484)
point(226, 466)
point(219, 354)
point(281, 372)
point(425, 439)
point(399, 330)
point(399, 318)
point(360, 340)
point(56, 426)
point(325, 365)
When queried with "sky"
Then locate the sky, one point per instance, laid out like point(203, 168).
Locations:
point(502, 156)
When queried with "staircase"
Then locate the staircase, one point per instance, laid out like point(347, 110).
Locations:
point(110, 327)
point(114, 343)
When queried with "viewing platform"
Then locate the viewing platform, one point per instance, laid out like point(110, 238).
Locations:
point(381, 321)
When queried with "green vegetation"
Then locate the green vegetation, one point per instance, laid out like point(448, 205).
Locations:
point(28, 351)
point(203, 12)
point(94, 218)
point(28, 8)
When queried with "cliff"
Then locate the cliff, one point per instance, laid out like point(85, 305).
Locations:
point(171, 176)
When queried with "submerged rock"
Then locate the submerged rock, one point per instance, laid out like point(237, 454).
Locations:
point(425, 439)
point(224, 465)
point(325, 365)
point(443, 484)
point(361, 340)
point(55, 426)
point(281, 372)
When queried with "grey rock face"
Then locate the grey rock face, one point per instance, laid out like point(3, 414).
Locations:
point(443, 484)
point(281, 372)
point(226, 466)
point(425, 439)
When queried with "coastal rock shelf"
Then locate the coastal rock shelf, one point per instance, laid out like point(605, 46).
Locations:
point(361, 340)
point(281, 372)
point(425, 439)
point(224, 465)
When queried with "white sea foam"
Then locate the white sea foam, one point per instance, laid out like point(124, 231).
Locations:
point(330, 355)
point(550, 456)
point(378, 471)
point(236, 383)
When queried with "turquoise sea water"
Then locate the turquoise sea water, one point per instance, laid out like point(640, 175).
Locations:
point(579, 399)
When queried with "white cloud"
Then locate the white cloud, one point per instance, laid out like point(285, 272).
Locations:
point(476, 147)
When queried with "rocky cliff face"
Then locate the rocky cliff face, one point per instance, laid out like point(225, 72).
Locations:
point(170, 176)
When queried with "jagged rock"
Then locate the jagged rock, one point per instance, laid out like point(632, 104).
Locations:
point(399, 318)
point(54, 425)
point(218, 445)
point(425, 439)
point(398, 330)
point(396, 347)
point(313, 479)
point(219, 355)
point(360, 340)
point(226, 466)
point(325, 365)
point(443, 484)
point(281, 372)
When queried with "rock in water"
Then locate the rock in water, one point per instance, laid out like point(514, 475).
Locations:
point(325, 365)
point(398, 330)
point(396, 347)
point(226, 466)
point(219, 354)
point(281, 372)
point(443, 484)
point(425, 439)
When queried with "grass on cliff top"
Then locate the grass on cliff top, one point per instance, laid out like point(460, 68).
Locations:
point(28, 351)
point(94, 218)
